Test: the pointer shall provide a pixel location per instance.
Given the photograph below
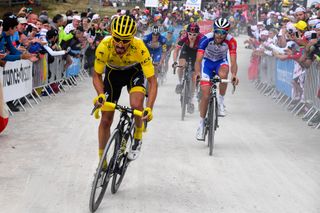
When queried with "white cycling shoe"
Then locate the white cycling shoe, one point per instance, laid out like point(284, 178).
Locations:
point(200, 132)
point(221, 106)
point(135, 149)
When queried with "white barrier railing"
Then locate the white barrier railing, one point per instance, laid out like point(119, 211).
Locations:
point(297, 89)
point(23, 78)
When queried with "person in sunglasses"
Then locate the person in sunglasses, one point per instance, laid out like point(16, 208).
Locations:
point(212, 59)
point(188, 44)
point(125, 61)
point(156, 44)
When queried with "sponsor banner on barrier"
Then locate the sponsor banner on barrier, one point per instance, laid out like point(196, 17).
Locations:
point(16, 78)
point(205, 26)
point(284, 76)
point(193, 4)
point(56, 69)
point(74, 68)
point(40, 72)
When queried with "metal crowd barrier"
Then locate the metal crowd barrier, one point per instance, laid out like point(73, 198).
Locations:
point(41, 76)
point(299, 95)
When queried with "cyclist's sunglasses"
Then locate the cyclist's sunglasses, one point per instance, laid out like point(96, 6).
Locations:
point(193, 34)
point(220, 31)
point(155, 34)
point(124, 41)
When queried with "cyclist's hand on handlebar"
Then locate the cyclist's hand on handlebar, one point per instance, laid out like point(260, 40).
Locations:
point(149, 114)
point(99, 100)
point(235, 80)
point(196, 76)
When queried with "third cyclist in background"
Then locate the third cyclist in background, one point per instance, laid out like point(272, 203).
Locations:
point(212, 59)
point(188, 44)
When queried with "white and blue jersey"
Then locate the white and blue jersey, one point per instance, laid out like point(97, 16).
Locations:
point(215, 55)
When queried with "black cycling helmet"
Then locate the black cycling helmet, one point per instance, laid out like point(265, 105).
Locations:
point(155, 29)
point(193, 28)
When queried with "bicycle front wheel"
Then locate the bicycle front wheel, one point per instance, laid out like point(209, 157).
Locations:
point(104, 171)
point(212, 114)
point(122, 162)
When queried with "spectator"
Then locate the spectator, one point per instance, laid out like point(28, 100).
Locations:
point(9, 52)
point(74, 25)
point(32, 18)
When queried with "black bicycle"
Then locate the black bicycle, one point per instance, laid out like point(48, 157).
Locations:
point(186, 92)
point(114, 162)
point(211, 120)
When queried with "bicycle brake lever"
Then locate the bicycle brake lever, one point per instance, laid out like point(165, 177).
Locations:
point(100, 100)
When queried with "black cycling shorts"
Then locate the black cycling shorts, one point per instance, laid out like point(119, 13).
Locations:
point(115, 79)
point(188, 53)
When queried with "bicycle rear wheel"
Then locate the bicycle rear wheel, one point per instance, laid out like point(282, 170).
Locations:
point(103, 175)
point(122, 164)
point(211, 124)
point(183, 98)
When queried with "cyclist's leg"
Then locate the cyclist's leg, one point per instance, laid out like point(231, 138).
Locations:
point(182, 62)
point(205, 85)
point(193, 83)
point(223, 71)
point(223, 74)
point(104, 130)
point(208, 67)
point(137, 92)
point(112, 86)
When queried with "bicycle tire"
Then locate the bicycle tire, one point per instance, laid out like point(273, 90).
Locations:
point(122, 164)
point(211, 124)
point(105, 175)
point(183, 100)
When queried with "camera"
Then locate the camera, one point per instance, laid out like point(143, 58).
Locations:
point(313, 35)
point(28, 10)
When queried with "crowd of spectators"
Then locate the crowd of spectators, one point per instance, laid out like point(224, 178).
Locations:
point(291, 34)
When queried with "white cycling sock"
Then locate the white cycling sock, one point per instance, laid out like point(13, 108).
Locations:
point(221, 99)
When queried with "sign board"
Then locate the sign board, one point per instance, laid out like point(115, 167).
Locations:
point(284, 76)
point(16, 78)
point(193, 4)
point(152, 3)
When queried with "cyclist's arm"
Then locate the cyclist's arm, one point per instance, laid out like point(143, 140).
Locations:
point(99, 66)
point(177, 49)
point(98, 82)
point(148, 71)
point(197, 64)
point(152, 91)
point(233, 56)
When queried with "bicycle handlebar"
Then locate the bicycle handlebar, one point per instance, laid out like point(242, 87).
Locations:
point(175, 67)
point(219, 80)
point(109, 106)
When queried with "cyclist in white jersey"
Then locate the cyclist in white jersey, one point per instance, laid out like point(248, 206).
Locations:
point(212, 59)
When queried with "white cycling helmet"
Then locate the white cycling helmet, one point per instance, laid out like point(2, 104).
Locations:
point(221, 23)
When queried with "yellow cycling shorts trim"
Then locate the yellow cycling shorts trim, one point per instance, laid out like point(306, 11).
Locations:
point(138, 89)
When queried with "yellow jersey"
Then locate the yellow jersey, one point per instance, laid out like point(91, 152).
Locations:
point(137, 53)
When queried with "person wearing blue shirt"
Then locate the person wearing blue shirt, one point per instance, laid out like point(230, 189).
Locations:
point(11, 53)
point(170, 44)
point(156, 44)
point(7, 51)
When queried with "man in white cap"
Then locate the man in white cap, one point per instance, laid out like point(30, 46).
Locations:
point(74, 25)
point(300, 14)
point(95, 18)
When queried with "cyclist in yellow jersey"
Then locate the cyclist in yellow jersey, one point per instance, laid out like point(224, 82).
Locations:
point(125, 61)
